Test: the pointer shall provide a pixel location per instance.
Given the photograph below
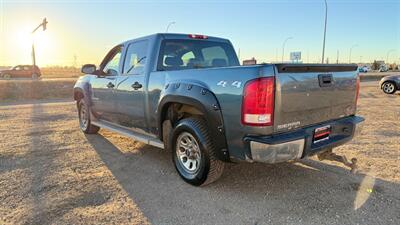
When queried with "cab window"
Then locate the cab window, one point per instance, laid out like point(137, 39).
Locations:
point(195, 54)
point(111, 66)
point(136, 57)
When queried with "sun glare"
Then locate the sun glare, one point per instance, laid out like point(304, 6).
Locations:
point(43, 45)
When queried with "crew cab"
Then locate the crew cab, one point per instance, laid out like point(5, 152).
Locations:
point(190, 95)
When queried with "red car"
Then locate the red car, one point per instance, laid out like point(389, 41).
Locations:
point(26, 71)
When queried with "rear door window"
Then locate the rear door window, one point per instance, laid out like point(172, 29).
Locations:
point(183, 54)
point(136, 57)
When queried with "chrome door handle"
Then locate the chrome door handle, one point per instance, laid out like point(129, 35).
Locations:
point(136, 85)
point(110, 85)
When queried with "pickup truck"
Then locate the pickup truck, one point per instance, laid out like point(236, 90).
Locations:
point(188, 94)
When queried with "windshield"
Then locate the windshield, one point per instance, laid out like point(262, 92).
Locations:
point(194, 54)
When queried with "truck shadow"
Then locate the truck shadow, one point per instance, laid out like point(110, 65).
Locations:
point(306, 191)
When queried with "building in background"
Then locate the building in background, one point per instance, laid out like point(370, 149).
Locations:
point(251, 61)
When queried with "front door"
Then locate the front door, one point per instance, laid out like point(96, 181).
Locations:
point(131, 86)
point(103, 85)
point(18, 71)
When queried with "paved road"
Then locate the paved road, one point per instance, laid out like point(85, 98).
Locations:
point(52, 173)
point(370, 84)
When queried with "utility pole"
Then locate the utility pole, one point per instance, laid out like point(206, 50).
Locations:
point(44, 25)
point(337, 57)
point(326, 20)
point(75, 60)
point(283, 46)
point(171, 23)
point(351, 49)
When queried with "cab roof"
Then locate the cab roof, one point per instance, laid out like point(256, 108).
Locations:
point(179, 36)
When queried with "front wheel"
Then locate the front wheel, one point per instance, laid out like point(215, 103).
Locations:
point(388, 87)
point(85, 123)
point(6, 76)
point(193, 153)
point(35, 76)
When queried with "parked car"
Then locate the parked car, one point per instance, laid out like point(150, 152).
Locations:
point(21, 71)
point(390, 84)
point(189, 94)
point(383, 68)
point(364, 69)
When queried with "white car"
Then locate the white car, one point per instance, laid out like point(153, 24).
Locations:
point(383, 68)
point(364, 69)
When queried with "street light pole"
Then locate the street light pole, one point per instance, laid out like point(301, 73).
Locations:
point(283, 46)
point(171, 23)
point(326, 20)
point(388, 53)
point(44, 25)
point(351, 49)
point(33, 54)
point(337, 57)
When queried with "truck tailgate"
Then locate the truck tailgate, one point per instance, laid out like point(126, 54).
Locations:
point(312, 94)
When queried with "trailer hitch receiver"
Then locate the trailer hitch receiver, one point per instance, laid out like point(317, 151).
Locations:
point(329, 155)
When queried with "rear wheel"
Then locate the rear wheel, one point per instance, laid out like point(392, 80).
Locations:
point(193, 153)
point(6, 76)
point(84, 118)
point(35, 76)
point(389, 87)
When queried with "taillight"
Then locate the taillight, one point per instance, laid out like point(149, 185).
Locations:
point(357, 88)
point(258, 102)
point(197, 36)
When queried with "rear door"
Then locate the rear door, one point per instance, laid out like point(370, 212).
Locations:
point(103, 99)
point(312, 94)
point(131, 86)
point(27, 71)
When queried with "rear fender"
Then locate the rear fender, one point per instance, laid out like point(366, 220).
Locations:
point(202, 99)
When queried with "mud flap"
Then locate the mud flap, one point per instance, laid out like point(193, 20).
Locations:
point(167, 130)
point(329, 155)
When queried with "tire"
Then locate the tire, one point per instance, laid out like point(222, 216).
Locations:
point(201, 166)
point(84, 118)
point(6, 76)
point(35, 76)
point(388, 87)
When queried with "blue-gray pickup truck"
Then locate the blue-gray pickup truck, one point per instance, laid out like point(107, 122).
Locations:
point(190, 95)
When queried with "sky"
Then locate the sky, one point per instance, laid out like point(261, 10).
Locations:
point(82, 31)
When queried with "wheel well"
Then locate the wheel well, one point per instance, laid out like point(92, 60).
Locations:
point(390, 81)
point(78, 95)
point(176, 111)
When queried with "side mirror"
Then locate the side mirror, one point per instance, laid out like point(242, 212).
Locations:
point(88, 69)
point(112, 72)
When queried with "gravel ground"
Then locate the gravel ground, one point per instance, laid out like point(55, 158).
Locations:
point(51, 173)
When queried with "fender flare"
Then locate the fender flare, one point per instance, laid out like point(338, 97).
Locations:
point(85, 89)
point(202, 99)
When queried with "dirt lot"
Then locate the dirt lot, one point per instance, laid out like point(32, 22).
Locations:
point(51, 173)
